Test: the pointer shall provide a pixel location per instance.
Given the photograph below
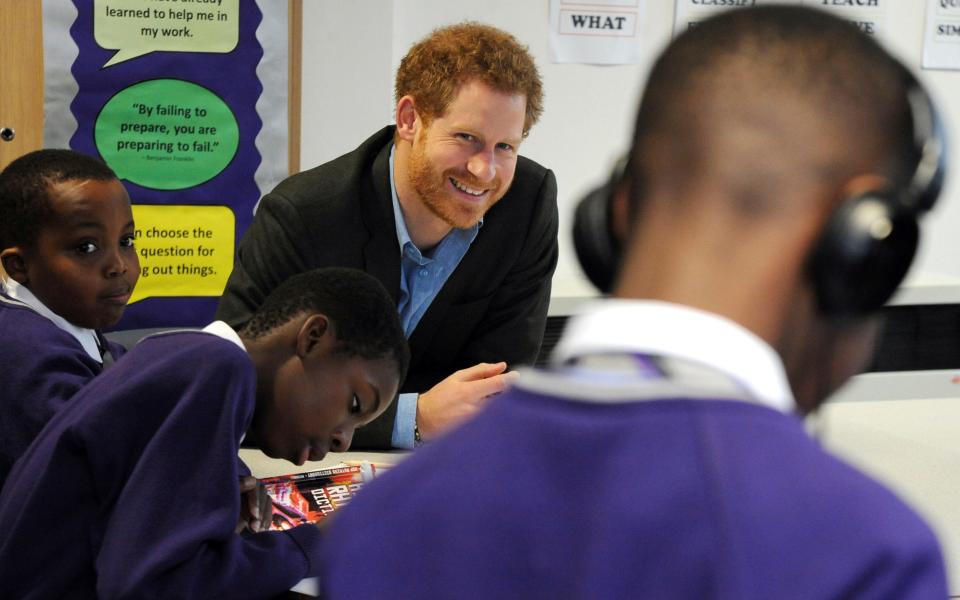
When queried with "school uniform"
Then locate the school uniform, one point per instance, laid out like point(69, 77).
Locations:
point(132, 489)
point(44, 360)
point(660, 459)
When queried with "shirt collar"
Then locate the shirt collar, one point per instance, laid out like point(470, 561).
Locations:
point(403, 235)
point(613, 326)
point(221, 329)
point(86, 337)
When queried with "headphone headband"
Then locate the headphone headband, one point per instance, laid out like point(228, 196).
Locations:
point(929, 138)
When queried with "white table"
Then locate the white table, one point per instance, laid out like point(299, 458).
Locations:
point(262, 465)
point(912, 447)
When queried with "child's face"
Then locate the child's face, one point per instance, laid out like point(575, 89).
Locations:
point(317, 403)
point(84, 265)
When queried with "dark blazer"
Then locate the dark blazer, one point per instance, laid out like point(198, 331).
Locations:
point(493, 307)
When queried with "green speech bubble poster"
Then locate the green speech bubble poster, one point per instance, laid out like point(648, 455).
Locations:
point(167, 94)
point(182, 141)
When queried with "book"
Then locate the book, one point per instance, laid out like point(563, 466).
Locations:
point(309, 497)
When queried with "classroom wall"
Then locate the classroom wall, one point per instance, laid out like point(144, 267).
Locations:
point(350, 50)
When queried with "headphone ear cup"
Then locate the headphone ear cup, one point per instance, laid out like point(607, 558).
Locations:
point(593, 238)
point(862, 255)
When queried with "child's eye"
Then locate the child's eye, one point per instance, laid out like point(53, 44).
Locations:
point(355, 405)
point(86, 248)
point(126, 241)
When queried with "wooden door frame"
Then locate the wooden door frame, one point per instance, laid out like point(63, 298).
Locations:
point(21, 77)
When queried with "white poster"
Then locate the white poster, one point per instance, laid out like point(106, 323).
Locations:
point(691, 12)
point(941, 40)
point(599, 32)
point(869, 15)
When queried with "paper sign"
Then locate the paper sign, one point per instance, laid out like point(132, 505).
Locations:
point(941, 40)
point(599, 32)
point(184, 250)
point(167, 134)
point(869, 15)
point(138, 27)
point(691, 12)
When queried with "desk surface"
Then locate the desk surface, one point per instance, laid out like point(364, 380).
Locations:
point(911, 446)
point(262, 465)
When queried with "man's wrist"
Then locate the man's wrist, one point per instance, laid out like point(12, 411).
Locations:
point(417, 435)
point(405, 422)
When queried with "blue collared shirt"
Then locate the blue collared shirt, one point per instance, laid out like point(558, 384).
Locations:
point(421, 278)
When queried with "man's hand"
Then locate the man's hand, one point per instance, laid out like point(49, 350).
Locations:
point(256, 508)
point(459, 396)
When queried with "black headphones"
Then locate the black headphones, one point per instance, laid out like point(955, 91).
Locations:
point(863, 252)
point(597, 247)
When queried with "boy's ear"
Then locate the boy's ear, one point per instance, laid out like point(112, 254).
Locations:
point(14, 264)
point(315, 334)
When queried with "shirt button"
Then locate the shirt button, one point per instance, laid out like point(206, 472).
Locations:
point(424, 272)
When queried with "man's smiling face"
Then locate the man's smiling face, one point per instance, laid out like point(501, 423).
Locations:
point(463, 162)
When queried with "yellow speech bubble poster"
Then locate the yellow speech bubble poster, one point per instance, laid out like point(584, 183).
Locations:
point(184, 250)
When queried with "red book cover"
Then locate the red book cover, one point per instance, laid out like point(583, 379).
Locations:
point(309, 497)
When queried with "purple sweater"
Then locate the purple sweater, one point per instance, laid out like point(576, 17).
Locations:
point(132, 489)
point(41, 367)
point(542, 497)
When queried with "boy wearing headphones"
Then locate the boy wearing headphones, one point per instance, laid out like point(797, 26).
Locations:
point(67, 246)
point(132, 490)
point(779, 163)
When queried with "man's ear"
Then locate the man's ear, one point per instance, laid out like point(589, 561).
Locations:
point(14, 264)
point(315, 335)
point(408, 119)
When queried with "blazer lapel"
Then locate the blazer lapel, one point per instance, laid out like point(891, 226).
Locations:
point(425, 330)
point(381, 253)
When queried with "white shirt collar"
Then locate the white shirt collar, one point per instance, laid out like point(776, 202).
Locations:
point(221, 329)
point(86, 337)
point(655, 328)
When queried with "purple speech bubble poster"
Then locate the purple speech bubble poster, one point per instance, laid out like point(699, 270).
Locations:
point(166, 93)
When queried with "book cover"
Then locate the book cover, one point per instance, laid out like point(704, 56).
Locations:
point(309, 497)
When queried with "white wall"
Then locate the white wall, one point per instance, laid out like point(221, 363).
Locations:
point(351, 49)
point(346, 82)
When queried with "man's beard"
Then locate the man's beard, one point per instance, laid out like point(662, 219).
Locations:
point(434, 190)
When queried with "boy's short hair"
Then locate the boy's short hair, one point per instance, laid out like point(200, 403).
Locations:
point(859, 97)
point(25, 190)
point(362, 313)
point(435, 67)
